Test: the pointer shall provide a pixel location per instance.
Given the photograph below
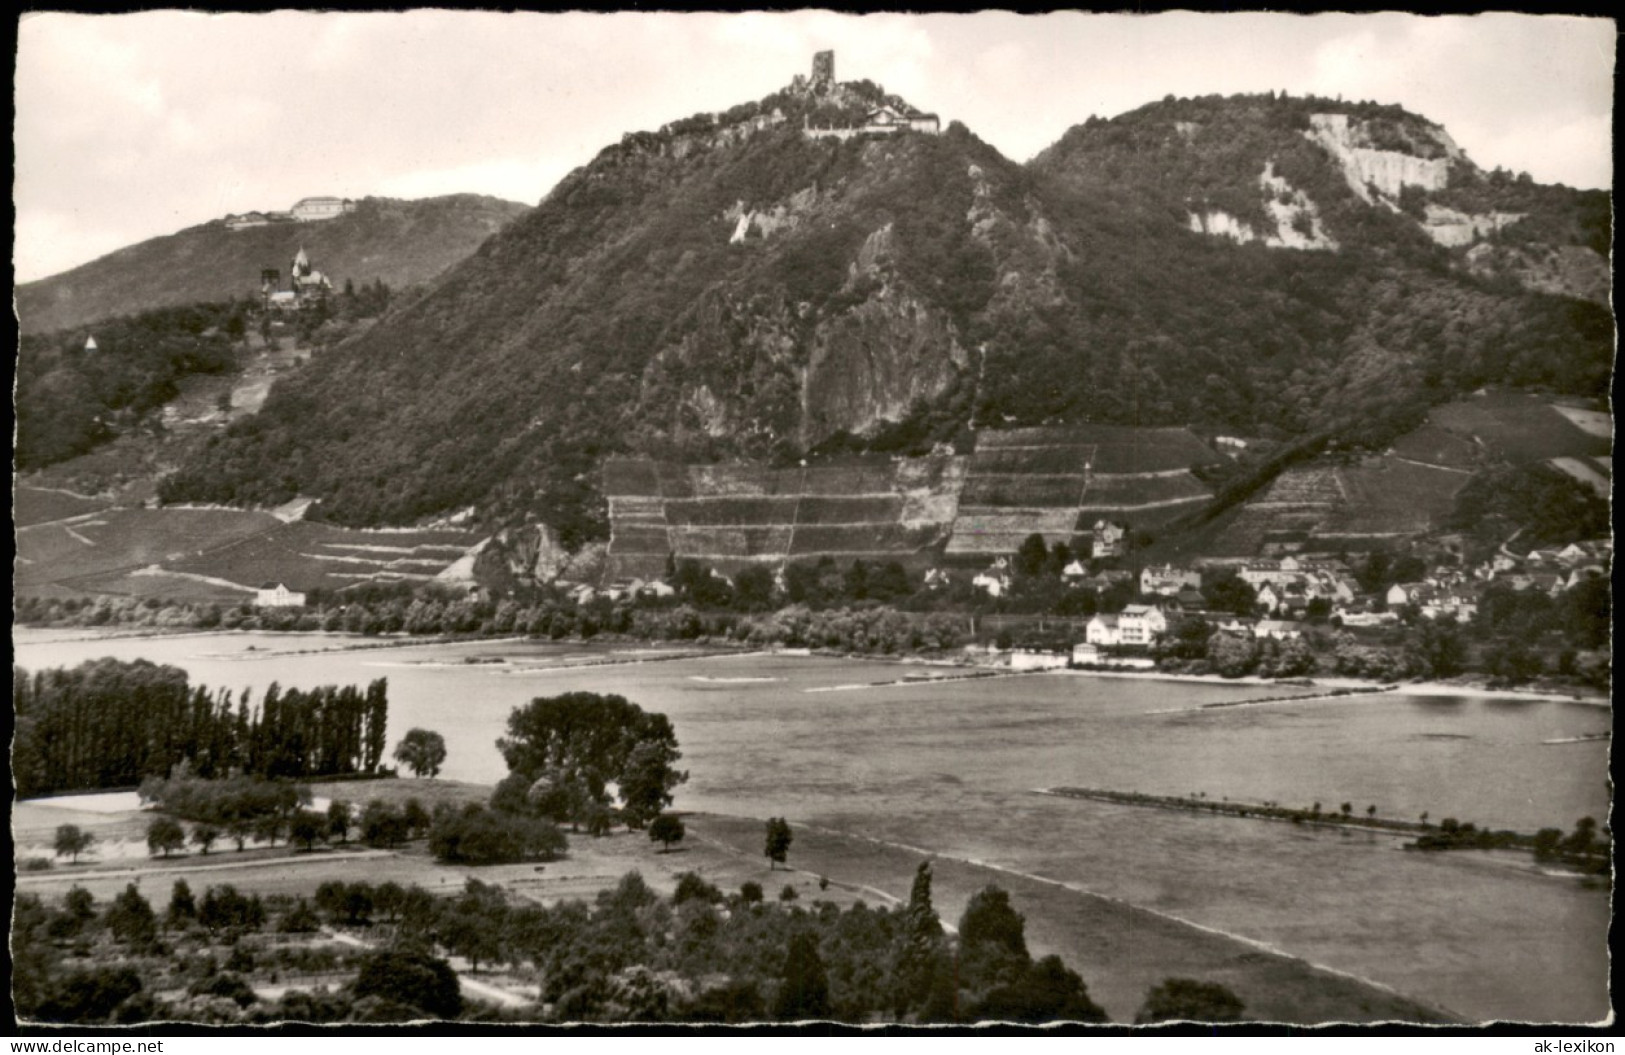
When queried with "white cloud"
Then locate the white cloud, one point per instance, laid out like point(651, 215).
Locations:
point(128, 126)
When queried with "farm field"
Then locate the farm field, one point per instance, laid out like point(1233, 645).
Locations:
point(1522, 428)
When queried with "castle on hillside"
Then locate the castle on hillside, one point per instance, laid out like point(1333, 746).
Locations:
point(883, 120)
point(305, 284)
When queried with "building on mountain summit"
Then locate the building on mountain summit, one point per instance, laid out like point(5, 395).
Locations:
point(882, 120)
point(309, 210)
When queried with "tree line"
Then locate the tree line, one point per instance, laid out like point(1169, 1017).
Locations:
point(629, 955)
point(111, 723)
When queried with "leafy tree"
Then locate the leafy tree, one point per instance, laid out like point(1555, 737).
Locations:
point(131, 919)
point(382, 825)
point(165, 835)
point(204, 837)
point(919, 947)
point(585, 740)
point(804, 989)
point(691, 886)
point(777, 847)
point(182, 906)
point(992, 941)
point(339, 820)
point(1226, 591)
point(750, 892)
point(423, 751)
point(1032, 557)
point(307, 829)
point(71, 839)
point(1184, 999)
point(423, 982)
point(666, 829)
point(89, 997)
point(1048, 991)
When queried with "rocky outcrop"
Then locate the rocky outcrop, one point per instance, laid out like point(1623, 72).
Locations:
point(765, 222)
point(1565, 270)
point(1296, 220)
point(880, 359)
point(1452, 227)
point(1365, 166)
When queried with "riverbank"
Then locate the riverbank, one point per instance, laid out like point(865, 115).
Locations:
point(1121, 950)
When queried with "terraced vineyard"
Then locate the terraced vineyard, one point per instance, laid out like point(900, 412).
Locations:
point(1342, 506)
point(181, 553)
point(31, 506)
point(730, 516)
point(77, 556)
point(1057, 482)
point(307, 555)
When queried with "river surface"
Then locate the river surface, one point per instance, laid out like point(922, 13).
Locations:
point(951, 767)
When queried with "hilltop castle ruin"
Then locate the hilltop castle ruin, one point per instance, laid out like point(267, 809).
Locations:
point(882, 120)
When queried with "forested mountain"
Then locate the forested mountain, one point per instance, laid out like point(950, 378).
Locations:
point(400, 243)
point(731, 287)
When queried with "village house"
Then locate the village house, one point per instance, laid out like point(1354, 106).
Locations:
point(276, 595)
point(1103, 631)
point(1167, 579)
point(995, 581)
point(1141, 624)
point(1085, 654)
point(1401, 594)
point(1271, 597)
point(1276, 630)
point(1108, 539)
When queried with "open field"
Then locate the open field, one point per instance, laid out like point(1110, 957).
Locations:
point(1121, 951)
point(1522, 428)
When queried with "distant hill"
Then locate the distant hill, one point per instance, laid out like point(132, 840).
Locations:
point(729, 287)
point(403, 243)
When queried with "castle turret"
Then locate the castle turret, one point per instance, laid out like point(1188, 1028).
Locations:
point(823, 71)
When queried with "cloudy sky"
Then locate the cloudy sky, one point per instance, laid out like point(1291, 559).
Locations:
point(131, 126)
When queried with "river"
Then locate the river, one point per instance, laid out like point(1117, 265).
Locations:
point(951, 767)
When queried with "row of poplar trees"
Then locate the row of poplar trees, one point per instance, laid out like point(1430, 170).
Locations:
point(108, 723)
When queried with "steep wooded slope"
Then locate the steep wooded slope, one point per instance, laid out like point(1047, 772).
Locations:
point(729, 287)
point(401, 243)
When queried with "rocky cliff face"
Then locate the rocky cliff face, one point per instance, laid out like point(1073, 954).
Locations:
point(1423, 162)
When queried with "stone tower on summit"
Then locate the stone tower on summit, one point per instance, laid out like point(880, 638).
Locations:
point(823, 71)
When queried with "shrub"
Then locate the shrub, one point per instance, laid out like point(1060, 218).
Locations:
point(418, 981)
point(477, 835)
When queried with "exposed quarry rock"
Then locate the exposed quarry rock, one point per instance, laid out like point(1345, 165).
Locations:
point(1452, 227)
point(1296, 219)
point(532, 552)
point(1386, 170)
